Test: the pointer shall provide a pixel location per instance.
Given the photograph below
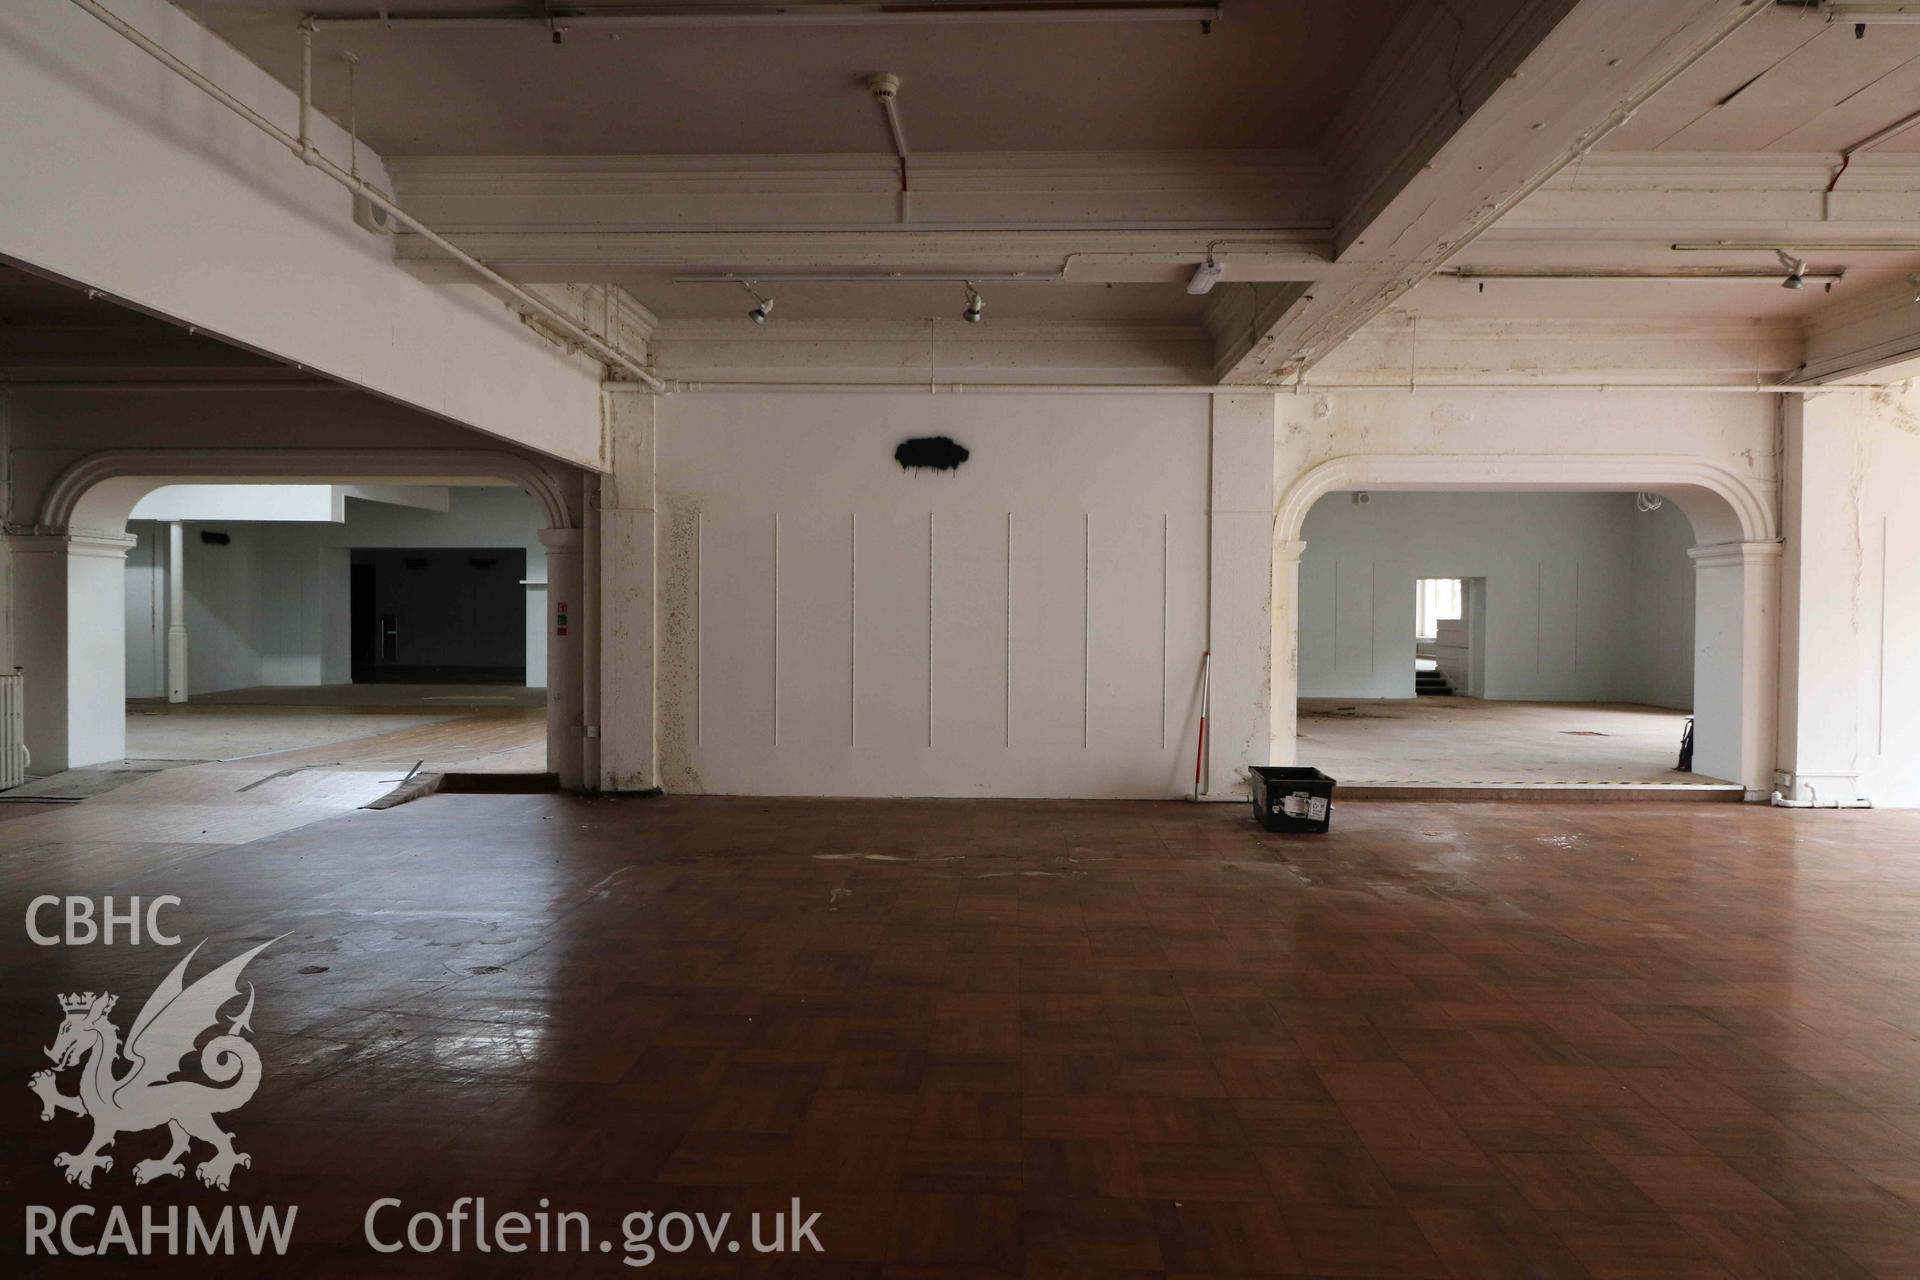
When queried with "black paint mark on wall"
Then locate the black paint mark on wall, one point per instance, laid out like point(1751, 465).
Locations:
point(937, 452)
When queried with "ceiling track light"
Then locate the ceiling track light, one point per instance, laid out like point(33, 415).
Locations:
point(1828, 276)
point(763, 304)
point(975, 305)
point(558, 18)
point(1825, 246)
point(867, 277)
point(1796, 270)
point(1863, 13)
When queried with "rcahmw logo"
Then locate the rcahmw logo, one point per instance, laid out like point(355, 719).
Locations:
point(146, 1095)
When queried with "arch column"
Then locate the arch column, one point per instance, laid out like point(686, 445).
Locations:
point(69, 602)
point(176, 612)
point(566, 626)
point(1286, 650)
point(622, 536)
point(1736, 661)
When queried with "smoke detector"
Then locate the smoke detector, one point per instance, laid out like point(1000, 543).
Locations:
point(884, 85)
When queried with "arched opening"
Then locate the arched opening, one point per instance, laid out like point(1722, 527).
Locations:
point(1556, 616)
point(240, 570)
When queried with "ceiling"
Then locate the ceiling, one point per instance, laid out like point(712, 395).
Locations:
point(1038, 302)
point(55, 332)
point(708, 148)
point(1790, 82)
point(1271, 75)
point(32, 301)
point(1790, 89)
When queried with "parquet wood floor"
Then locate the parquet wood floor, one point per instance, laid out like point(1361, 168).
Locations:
point(1042, 1039)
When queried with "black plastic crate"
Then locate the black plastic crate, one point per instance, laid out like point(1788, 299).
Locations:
point(1292, 798)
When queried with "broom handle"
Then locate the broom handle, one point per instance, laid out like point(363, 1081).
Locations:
point(1206, 698)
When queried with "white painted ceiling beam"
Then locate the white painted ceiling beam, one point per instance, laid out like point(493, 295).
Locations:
point(1436, 351)
point(546, 195)
point(1864, 335)
point(1472, 106)
point(1670, 198)
point(1086, 256)
point(127, 179)
point(943, 351)
point(1394, 350)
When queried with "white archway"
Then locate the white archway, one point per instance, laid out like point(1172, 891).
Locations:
point(71, 567)
point(1723, 506)
point(95, 493)
point(1736, 564)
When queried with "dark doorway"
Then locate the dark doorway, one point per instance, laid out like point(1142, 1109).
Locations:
point(363, 645)
point(439, 615)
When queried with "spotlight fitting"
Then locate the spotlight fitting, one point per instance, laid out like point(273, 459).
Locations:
point(975, 305)
point(1796, 270)
point(765, 304)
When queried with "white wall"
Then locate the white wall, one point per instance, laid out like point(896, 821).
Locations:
point(1659, 658)
point(254, 607)
point(1558, 582)
point(1850, 639)
point(907, 643)
point(239, 502)
point(1587, 599)
point(146, 616)
point(271, 606)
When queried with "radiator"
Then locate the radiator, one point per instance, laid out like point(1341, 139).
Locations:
point(13, 731)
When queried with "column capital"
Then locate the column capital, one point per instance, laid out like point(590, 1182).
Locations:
point(561, 541)
point(1734, 555)
point(1288, 551)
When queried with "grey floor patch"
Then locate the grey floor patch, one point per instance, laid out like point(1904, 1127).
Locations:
point(94, 780)
point(232, 733)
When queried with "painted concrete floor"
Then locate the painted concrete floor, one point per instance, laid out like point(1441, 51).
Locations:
point(221, 750)
point(352, 718)
point(378, 697)
point(228, 733)
point(1468, 740)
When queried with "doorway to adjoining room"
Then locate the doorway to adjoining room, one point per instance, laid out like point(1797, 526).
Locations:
point(1496, 639)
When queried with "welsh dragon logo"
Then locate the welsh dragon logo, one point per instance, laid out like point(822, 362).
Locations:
point(145, 1095)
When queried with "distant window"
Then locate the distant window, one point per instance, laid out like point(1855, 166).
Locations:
point(1436, 600)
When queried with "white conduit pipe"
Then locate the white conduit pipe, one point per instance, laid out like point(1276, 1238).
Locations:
point(888, 105)
point(303, 147)
point(179, 384)
point(1887, 134)
point(1814, 802)
point(885, 87)
point(561, 18)
point(1220, 389)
